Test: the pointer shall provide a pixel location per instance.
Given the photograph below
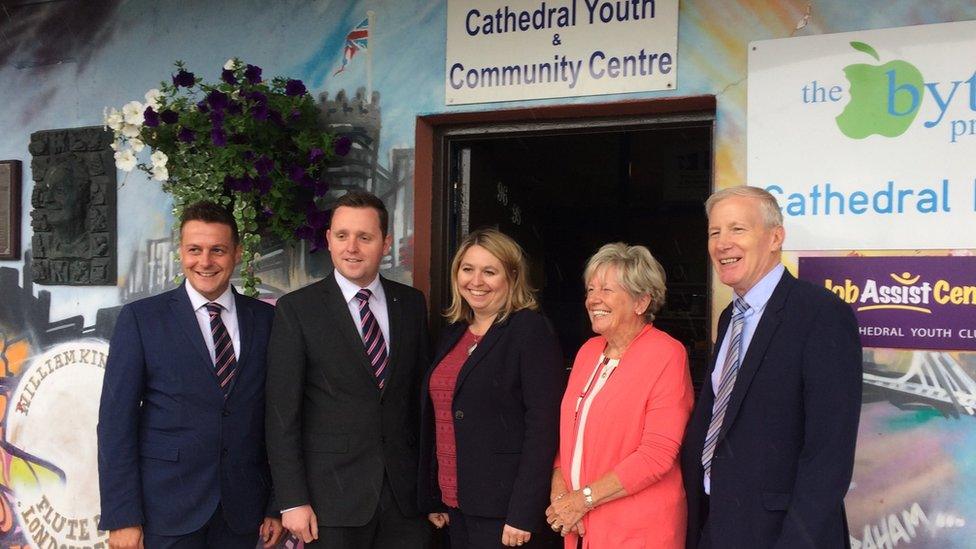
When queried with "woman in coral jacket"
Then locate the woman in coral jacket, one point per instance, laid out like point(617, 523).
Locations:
point(617, 483)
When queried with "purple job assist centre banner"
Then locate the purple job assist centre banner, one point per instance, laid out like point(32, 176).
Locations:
point(904, 302)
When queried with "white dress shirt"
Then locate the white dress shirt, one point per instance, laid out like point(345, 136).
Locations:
point(228, 313)
point(757, 297)
point(377, 304)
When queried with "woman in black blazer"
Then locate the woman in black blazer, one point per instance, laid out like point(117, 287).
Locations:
point(490, 403)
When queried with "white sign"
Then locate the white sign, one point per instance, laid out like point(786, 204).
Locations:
point(868, 139)
point(51, 419)
point(501, 50)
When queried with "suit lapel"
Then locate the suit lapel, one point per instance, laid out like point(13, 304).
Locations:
point(394, 312)
point(338, 312)
point(491, 337)
point(763, 335)
point(184, 316)
point(245, 327)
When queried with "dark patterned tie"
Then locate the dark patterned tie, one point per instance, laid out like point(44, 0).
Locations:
point(729, 373)
point(225, 363)
point(372, 338)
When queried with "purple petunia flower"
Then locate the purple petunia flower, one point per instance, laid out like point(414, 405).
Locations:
point(218, 137)
point(263, 165)
point(218, 100)
point(295, 88)
point(258, 97)
point(342, 146)
point(228, 76)
point(316, 218)
point(202, 107)
point(296, 174)
point(186, 135)
point(183, 78)
point(217, 118)
point(315, 154)
point(305, 233)
point(233, 108)
point(260, 112)
point(253, 74)
point(169, 116)
point(263, 185)
point(150, 118)
point(240, 184)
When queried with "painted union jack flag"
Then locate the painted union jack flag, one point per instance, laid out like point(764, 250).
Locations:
point(356, 40)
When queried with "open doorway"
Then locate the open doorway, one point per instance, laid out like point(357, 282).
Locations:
point(563, 189)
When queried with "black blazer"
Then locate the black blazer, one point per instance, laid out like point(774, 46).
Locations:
point(170, 446)
point(332, 433)
point(786, 450)
point(506, 422)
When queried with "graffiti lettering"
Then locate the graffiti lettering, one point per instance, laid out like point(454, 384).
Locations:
point(90, 357)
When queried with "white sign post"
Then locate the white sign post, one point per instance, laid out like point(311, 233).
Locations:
point(501, 50)
point(868, 139)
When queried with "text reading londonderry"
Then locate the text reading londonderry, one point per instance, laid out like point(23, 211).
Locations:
point(549, 17)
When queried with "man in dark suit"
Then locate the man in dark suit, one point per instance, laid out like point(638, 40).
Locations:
point(181, 456)
point(769, 449)
point(345, 361)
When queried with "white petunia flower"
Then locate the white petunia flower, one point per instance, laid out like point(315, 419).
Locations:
point(159, 159)
point(136, 144)
point(230, 64)
point(132, 112)
point(115, 145)
point(125, 160)
point(114, 120)
point(160, 173)
point(152, 98)
point(130, 130)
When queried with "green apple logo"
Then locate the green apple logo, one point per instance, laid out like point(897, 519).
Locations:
point(884, 98)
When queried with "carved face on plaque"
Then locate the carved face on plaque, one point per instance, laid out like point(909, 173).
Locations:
point(67, 197)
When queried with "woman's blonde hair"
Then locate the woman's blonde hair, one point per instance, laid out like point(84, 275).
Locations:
point(637, 272)
point(521, 295)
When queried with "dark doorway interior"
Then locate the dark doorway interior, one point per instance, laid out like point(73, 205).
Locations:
point(562, 195)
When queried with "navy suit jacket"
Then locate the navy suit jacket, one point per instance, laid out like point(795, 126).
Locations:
point(506, 422)
point(785, 453)
point(170, 447)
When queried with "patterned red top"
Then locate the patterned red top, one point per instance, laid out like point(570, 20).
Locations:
point(442, 381)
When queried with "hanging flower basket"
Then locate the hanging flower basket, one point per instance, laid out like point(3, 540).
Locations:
point(252, 145)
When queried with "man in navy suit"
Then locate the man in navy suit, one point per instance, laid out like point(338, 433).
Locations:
point(181, 454)
point(769, 450)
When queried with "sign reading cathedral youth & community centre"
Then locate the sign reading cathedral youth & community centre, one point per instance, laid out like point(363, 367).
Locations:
point(867, 138)
point(500, 50)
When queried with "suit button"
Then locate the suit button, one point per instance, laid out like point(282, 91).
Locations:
point(459, 415)
point(225, 413)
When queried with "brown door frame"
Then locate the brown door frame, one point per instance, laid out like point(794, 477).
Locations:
point(430, 192)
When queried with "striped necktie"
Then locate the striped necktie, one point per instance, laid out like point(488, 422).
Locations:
point(372, 338)
point(225, 363)
point(729, 372)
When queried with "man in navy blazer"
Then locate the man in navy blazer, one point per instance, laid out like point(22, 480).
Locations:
point(181, 454)
point(769, 450)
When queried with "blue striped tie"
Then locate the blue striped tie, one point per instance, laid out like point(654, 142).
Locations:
point(372, 338)
point(225, 363)
point(729, 372)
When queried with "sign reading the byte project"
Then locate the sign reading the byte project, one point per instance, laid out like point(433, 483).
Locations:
point(506, 50)
point(867, 138)
point(904, 302)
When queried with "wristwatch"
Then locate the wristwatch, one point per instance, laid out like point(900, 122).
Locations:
point(588, 496)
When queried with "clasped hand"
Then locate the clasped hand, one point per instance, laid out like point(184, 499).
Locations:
point(566, 513)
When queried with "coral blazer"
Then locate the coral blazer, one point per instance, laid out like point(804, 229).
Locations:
point(634, 428)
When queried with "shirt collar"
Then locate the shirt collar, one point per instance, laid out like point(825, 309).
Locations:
point(759, 295)
point(226, 299)
point(349, 288)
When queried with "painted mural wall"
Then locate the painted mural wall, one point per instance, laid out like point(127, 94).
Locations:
point(63, 62)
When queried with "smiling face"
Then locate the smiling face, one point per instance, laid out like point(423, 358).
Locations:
point(357, 244)
point(482, 282)
point(742, 247)
point(611, 308)
point(208, 256)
